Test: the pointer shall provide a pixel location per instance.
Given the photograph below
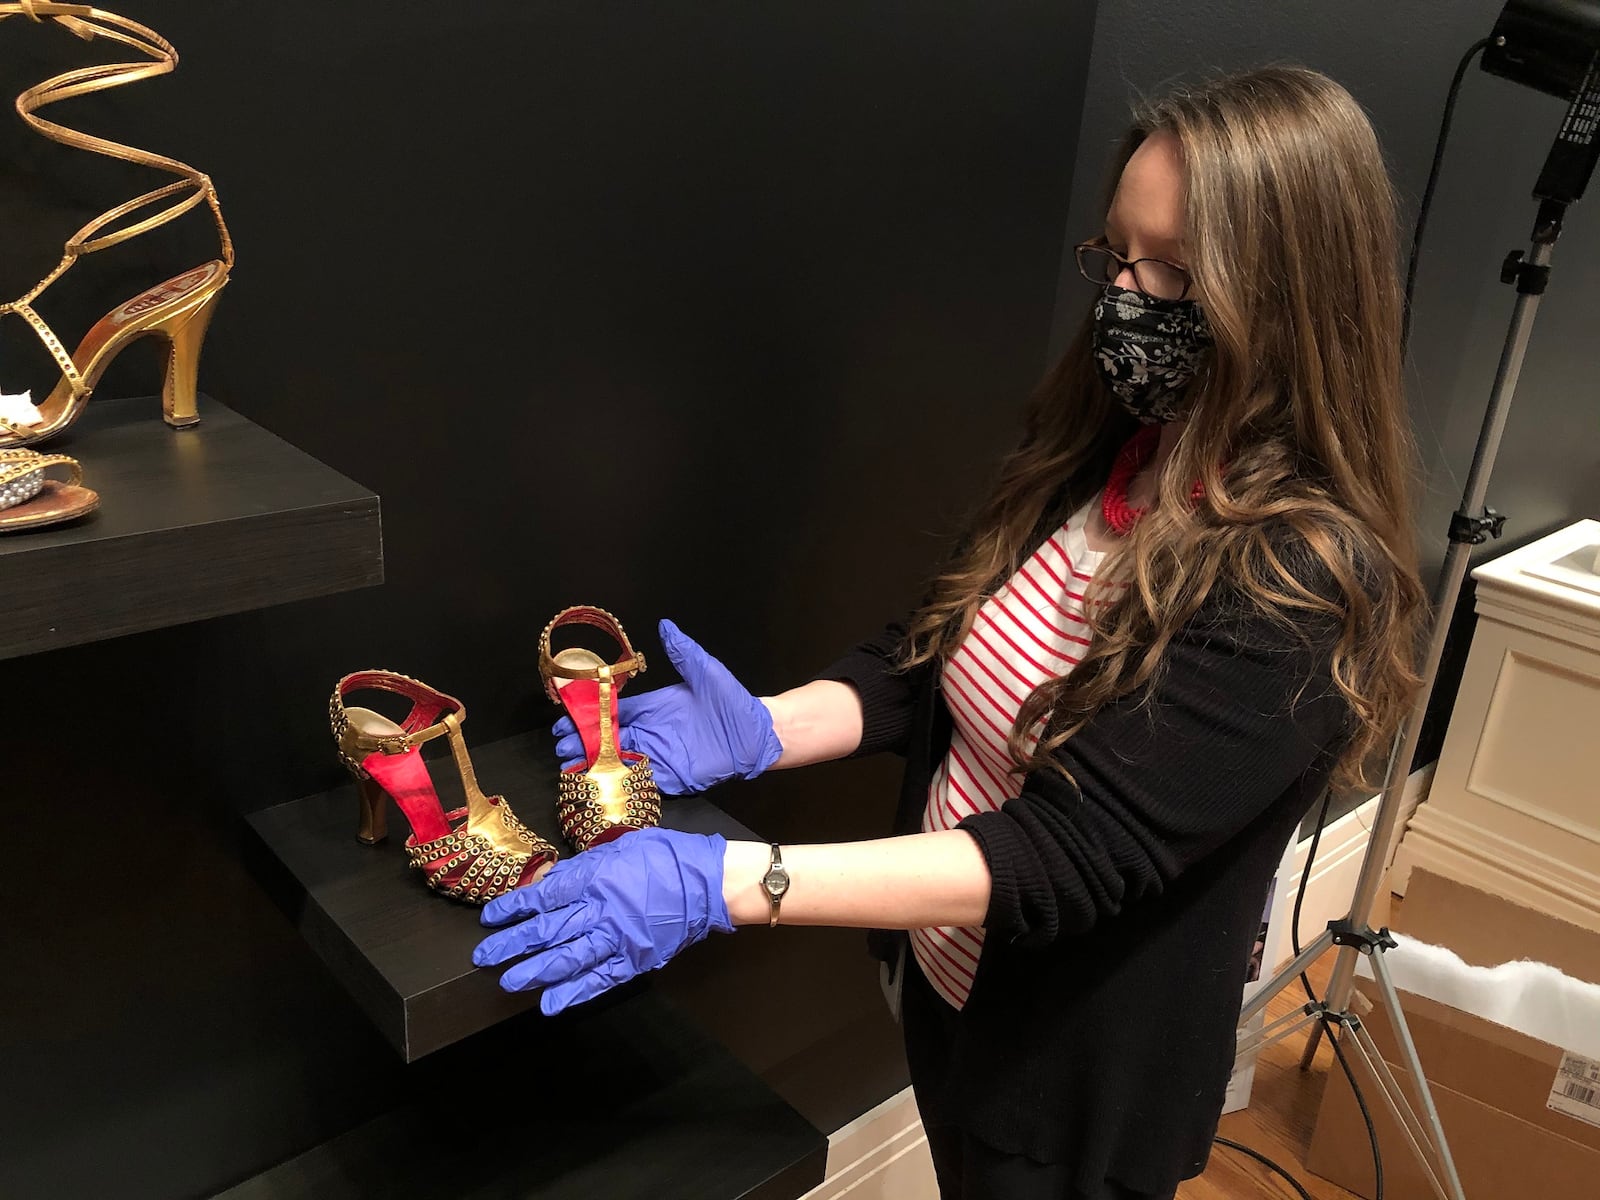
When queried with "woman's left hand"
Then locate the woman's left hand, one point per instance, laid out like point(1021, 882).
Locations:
point(604, 916)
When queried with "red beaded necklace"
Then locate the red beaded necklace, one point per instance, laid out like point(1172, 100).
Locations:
point(1129, 462)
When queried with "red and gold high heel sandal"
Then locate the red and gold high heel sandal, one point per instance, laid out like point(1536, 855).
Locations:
point(614, 791)
point(474, 853)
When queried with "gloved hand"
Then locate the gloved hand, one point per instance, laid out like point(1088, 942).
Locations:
point(697, 733)
point(604, 916)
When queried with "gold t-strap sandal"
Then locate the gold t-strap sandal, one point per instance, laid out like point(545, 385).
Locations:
point(29, 499)
point(474, 853)
point(614, 791)
point(179, 309)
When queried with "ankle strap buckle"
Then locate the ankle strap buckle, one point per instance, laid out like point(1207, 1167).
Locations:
point(427, 704)
point(630, 663)
point(394, 743)
point(405, 743)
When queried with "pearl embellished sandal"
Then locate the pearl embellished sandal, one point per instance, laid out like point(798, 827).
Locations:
point(30, 499)
point(474, 853)
point(615, 790)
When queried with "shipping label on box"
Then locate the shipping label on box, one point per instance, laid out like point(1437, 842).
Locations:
point(1576, 1091)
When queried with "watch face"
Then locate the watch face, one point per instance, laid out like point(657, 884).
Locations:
point(776, 880)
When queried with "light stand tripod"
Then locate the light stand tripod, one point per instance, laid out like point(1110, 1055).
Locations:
point(1566, 172)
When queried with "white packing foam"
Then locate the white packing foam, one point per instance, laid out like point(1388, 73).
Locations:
point(1531, 997)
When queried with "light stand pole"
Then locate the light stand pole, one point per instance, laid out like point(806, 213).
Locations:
point(1566, 172)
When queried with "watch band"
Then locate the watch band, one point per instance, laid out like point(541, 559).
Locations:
point(775, 882)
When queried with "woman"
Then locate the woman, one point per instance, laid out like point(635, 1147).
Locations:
point(1190, 603)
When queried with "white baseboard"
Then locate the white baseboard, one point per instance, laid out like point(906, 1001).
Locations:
point(881, 1155)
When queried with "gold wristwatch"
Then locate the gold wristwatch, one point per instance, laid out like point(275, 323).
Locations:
point(775, 883)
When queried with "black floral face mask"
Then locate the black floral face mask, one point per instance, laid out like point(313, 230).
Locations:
point(1148, 350)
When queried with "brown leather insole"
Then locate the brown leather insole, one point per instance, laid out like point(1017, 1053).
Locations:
point(56, 502)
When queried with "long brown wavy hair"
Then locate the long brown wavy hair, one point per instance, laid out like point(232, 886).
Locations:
point(1297, 424)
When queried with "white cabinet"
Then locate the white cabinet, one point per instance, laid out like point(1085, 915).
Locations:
point(1515, 804)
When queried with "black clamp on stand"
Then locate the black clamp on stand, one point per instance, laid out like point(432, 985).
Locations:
point(1345, 932)
point(1366, 940)
point(1466, 530)
point(1531, 279)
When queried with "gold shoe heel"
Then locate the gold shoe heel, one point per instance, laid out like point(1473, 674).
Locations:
point(362, 729)
point(185, 337)
point(373, 825)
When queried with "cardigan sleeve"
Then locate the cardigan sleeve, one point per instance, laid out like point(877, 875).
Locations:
point(888, 693)
point(1160, 778)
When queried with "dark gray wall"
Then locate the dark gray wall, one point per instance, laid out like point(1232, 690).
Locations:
point(715, 310)
point(1397, 60)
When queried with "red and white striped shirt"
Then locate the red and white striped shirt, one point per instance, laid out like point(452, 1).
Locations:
point(1031, 630)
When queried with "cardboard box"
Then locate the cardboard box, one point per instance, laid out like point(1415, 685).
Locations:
point(1493, 1085)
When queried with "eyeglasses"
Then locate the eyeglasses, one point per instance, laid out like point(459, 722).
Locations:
point(1154, 277)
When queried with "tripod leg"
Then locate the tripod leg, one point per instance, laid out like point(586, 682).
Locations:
point(1408, 1052)
point(1312, 1042)
point(1252, 1042)
point(1290, 972)
point(1366, 1052)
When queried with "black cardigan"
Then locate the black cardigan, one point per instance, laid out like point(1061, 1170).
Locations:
point(1100, 1027)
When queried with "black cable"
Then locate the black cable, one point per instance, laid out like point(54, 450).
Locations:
point(1423, 209)
point(1266, 1162)
point(1330, 1026)
point(1427, 193)
point(1300, 894)
point(1361, 1102)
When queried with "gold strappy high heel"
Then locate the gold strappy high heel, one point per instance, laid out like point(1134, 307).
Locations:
point(615, 790)
point(179, 309)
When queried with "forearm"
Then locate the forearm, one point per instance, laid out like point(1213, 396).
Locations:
point(815, 723)
point(915, 882)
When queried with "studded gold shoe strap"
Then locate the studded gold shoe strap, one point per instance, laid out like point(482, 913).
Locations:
point(631, 662)
point(433, 713)
point(14, 464)
point(193, 186)
point(69, 369)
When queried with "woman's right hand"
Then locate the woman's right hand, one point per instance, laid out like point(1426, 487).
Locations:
point(697, 733)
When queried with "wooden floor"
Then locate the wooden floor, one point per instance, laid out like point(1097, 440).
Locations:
point(1283, 1109)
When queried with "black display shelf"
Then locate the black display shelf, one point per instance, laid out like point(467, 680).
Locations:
point(627, 1102)
point(221, 518)
point(403, 952)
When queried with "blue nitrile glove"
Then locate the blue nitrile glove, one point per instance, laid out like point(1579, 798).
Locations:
point(603, 916)
point(697, 733)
